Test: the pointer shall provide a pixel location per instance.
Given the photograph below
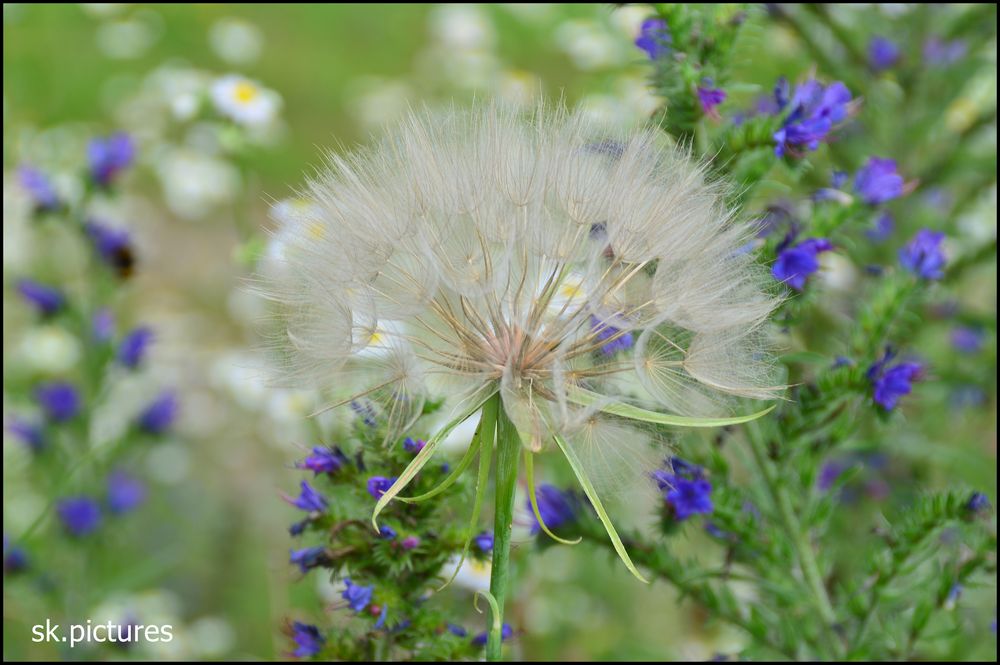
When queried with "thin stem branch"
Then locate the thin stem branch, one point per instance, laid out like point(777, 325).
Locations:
point(798, 538)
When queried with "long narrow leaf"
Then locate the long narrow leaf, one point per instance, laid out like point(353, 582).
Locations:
point(419, 461)
point(470, 454)
point(529, 469)
point(488, 424)
point(585, 397)
point(588, 489)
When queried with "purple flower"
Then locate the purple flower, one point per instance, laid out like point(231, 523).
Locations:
point(829, 473)
point(308, 558)
point(377, 485)
point(114, 246)
point(366, 412)
point(297, 528)
point(15, 559)
point(109, 156)
point(690, 497)
point(686, 489)
point(878, 181)
point(159, 416)
point(555, 506)
point(358, 597)
point(308, 640)
point(795, 264)
point(413, 445)
point(39, 188)
point(815, 110)
point(654, 38)
point(80, 515)
point(59, 400)
point(615, 339)
point(386, 532)
point(102, 325)
point(309, 499)
point(923, 255)
point(456, 630)
point(710, 98)
point(133, 346)
point(125, 493)
point(484, 541)
point(31, 434)
point(891, 382)
point(967, 340)
point(45, 299)
point(410, 543)
point(882, 229)
point(882, 53)
point(977, 503)
point(939, 53)
point(506, 632)
point(323, 460)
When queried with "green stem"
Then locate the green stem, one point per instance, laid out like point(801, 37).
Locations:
point(799, 540)
point(508, 454)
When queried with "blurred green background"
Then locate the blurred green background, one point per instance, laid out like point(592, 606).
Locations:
point(213, 544)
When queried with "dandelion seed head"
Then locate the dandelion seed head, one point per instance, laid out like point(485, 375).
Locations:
point(459, 254)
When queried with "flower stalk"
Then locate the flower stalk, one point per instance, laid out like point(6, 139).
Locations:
point(508, 452)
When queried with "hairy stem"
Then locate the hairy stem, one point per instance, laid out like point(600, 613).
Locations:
point(798, 538)
point(508, 454)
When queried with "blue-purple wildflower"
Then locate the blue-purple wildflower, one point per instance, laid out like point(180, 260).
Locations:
point(45, 299)
point(125, 492)
point(113, 246)
point(614, 339)
point(686, 490)
point(134, 345)
point(39, 187)
point(309, 499)
point(883, 53)
point(978, 503)
point(102, 325)
point(29, 433)
point(377, 485)
point(967, 339)
point(308, 558)
point(710, 98)
point(891, 382)
point(654, 38)
point(923, 256)
point(556, 507)
point(878, 181)
point(80, 515)
point(506, 632)
point(323, 459)
point(308, 640)
point(815, 111)
point(484, 542)
point(410, 542)
point(358, 597)
point(59, 400)
point(414, 446)
point(109, 156)
point(882, 228)
point(941, 53)
point(160, 414)
point(796, 263)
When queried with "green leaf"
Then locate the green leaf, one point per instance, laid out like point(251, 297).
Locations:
point(591, 493)
point(420, 460)
point(530, 473)
point(484, 441)
point(585, 397)
point(470, 453)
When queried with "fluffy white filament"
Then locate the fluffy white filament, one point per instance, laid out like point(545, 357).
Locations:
point(481, 248)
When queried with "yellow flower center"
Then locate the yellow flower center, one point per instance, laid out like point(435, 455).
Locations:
point(245, 92)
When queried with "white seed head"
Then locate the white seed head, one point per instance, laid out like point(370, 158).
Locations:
point(470, 249)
